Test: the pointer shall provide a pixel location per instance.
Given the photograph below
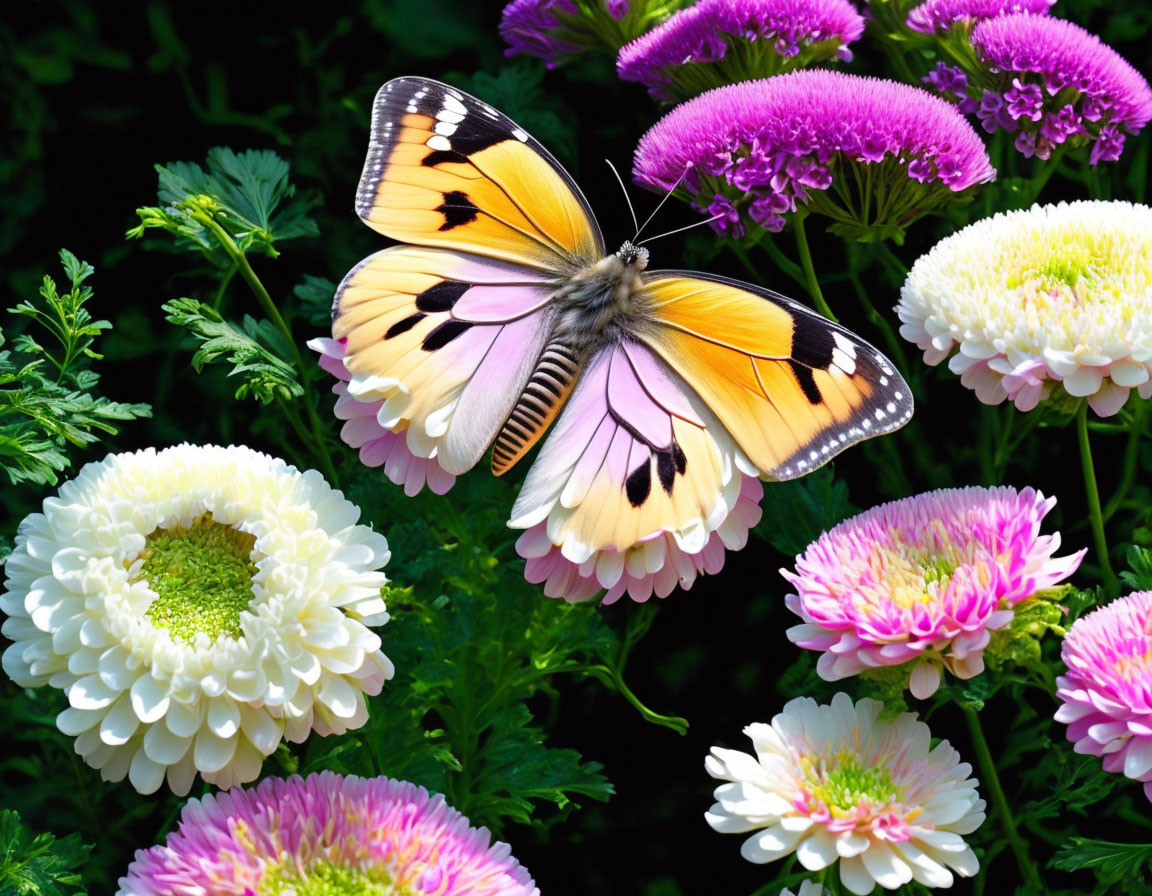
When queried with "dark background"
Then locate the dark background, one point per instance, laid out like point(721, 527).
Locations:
point(96, 94)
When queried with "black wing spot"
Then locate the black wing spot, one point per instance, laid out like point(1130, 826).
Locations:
point(444, 334)
point(475, 133)
point(807, 382)
point(812, 341)
point(679, 458)
point(638, 485)
point(442, 296)
point(458, 209)
point(403, 326)
point(440, 156)
point(666, 470)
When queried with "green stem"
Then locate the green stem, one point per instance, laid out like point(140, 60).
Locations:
point(1000, 801)
point(809, 270)
point(613, 679)
point(895, 347)
point(1097, 517)
point(240, 259)
point(782, 261)
point(224, 281)
point(1128, 469)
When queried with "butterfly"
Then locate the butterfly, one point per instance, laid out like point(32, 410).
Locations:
point(669, 394)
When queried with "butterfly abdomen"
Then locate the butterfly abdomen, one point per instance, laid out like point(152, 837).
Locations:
point(540, 402)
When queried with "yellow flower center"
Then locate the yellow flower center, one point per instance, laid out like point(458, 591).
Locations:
point(842, 784)
point(202, 575)
point(325, 879)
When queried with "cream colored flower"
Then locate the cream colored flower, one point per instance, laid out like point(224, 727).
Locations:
point(835, 783)
point(197, 605)
point(1058, 294)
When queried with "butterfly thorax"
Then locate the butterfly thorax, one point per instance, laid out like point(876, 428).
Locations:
point(592, 309)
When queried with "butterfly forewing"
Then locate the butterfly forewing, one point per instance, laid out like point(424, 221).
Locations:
point(793, 388)
point(445, 169)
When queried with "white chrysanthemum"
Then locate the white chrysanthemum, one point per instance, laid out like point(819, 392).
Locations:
point(807, 888)
point(197, 605)
point(1055, 294)
point(836, 782)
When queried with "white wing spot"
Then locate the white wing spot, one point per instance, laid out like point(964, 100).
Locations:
point(884, 382)
point(843, 360)
point(445, 128)
point(845, 345)
point(412, 107)
point(891, 407)
point(449, 116)
point(452, 104)
point(879, 414)
point(520, 135)
point(899, 396)
point(438, 142)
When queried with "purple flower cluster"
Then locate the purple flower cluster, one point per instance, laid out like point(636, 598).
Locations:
point(752, 152)
point(555, 29)
point(1052, 83)
point(938, 16)
point(694, 50)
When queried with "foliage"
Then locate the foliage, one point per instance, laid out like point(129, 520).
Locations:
point(1127, 866)
point(38, 865)
point(48, 397)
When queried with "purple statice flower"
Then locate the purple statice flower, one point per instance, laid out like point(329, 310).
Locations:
point(696, 49)
point(1055, 83)
point(947, 79)
point(556, 29)
point(938, 16)
point(774, 145)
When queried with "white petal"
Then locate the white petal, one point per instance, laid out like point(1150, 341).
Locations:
point(212, 753)
point(149, 698)
point(888, 869)
point(768, 845)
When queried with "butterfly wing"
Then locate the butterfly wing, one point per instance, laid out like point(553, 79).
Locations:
point(442, 344)
point(632, 485)
point(793, 388)
point(445, 169)
point(440, 337)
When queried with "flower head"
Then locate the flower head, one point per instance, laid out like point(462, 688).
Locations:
point(770, 147)
point(326, 834)
point(372, 428)
point(1106, 702)
point(554, 30)
point(1057, 296)
point(656, 565)
point(1051, 82)
point(923, 581)
point(694, 50)
point(197, 605)
point(835, 782)
point(938, 16)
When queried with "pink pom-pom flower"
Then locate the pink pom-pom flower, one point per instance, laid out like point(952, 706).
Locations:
point(1106, 699)
point(717, 42)
point(326, 833)
point(555, 30)
point(750, 153)
point(938, 16)
point(923, 581)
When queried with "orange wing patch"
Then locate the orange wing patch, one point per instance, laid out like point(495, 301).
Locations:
point(445, 170)
point(793, 388)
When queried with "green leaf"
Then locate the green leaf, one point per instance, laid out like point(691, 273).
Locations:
point(48, 394)
point(38, 865)
point(315, 295)
point(1110, 862)
point(1139, 575)
point(247, 194)
point(798, 511)
point(256, 350)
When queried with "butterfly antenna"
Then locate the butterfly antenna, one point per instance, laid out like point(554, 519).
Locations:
point(620, 181)
point(661, 205)
point(680, 229)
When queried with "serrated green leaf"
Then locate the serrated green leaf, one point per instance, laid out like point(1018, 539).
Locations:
point(256, 350)
point(315, 295)
point(1109, 861)
point(38, 865)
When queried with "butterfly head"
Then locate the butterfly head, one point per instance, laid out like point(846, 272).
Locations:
point(631, 254)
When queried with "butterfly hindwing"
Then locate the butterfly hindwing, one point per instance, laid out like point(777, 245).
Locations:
point(445, 169)
point(446, 340)
point(793, 388)
point(634, 453)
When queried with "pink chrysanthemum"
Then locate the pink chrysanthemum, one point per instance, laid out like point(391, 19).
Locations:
point(938, 16)
point(923, 580)
point(717, 42)
point(750, 153)
point(326, 834)
point(1107, 704)
point(553, 30)
point(378, 444)
point(1056, 83)
point(654, 566)
point(836, 783)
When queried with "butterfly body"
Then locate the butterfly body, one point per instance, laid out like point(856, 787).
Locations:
point(503, 317)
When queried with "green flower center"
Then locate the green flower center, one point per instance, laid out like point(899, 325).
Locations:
point(202, 575)
point(325, 879)
point(842, 783)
